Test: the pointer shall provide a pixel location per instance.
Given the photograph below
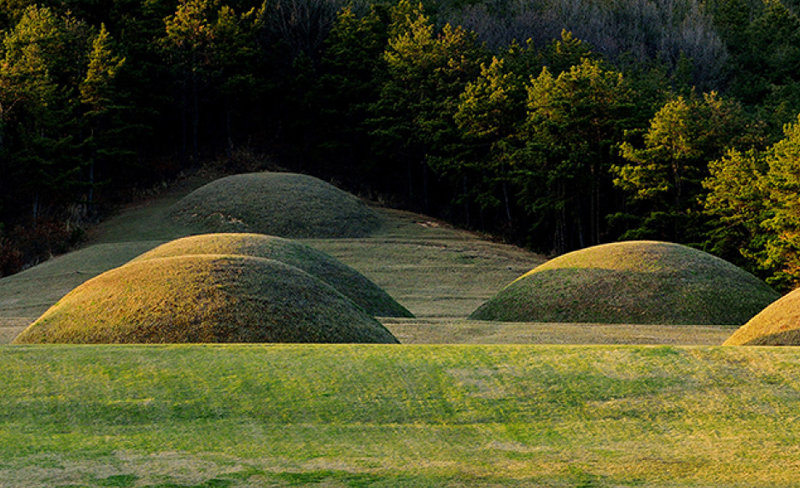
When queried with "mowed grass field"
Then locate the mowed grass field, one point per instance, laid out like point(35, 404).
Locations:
point(425, 416)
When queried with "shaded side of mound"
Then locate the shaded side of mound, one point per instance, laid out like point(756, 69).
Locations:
point(343, 278)
point(776, 325)
point(205, 299)
point(281, 204)
point(641, 282)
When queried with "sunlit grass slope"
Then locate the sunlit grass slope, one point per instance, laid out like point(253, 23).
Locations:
point(343, 278)
point(388, 416)
point(204, 298)
point(776, 325)
point(28, 294)
point(639, 282)
point(281, 204)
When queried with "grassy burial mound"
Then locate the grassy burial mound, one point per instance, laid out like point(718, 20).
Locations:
point(637, 282)
point(343, 278)
point(776, 325)
point(281, 204)
point(205, 299)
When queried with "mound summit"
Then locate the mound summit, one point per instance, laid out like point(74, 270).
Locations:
point(637, 282)
point(776, 325)
point(343, 278)
point(280, 204)
point(205, 299)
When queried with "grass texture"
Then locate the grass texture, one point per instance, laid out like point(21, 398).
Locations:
point(204, 298)
point(28, 294)
point(776, 325)
point(387, 416)
point(464, 331)
point(639, 282)
point(280, 204)
point(343, 278)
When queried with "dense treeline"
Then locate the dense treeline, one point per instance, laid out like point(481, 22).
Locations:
point(556, 123)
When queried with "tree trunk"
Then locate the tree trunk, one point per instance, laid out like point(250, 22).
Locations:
point(466, 200)
point(90, 201)
point(410, 166)
point(184, 124)
point(560, 237)
point(594, 207)
point(35, 208)
point(579, 225)
point(195, 120)
point(425, 200)
point(507, 203)
point(228, 131)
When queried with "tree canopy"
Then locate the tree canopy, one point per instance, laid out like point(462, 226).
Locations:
point(557, 125)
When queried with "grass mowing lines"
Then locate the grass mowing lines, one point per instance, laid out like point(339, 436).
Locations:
point(430, 330)
point(426, 275)
point(635, 282)
point(490, 414)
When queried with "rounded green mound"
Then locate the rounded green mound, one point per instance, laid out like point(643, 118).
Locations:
point(343, 278)
point(205, 299)
point(280, 204)
point(776, 325)
point(637, 282)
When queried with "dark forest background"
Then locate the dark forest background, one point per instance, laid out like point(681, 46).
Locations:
point(556, 124)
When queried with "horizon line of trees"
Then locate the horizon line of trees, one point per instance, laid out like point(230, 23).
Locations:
point(557, 124)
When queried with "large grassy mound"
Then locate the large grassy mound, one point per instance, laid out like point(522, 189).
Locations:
point(639, 282)
point(776, 325)
point(343, 278)
point(204, 299)
point(281, 204)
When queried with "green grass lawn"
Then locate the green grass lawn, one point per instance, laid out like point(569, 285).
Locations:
point(289, 415)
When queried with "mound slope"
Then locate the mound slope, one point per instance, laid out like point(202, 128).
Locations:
point(281, 204)
point(639, 282)
point(205, 299)
point(776, 325)
point(343, 278)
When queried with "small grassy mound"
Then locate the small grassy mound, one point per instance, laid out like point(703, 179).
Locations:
point(343, 278)
point(281, 204)
point(776, 325)
point(637, 282)
point(205, 299)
